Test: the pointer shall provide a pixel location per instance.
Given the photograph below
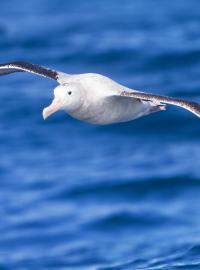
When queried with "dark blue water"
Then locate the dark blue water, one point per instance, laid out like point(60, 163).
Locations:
point(77, 196)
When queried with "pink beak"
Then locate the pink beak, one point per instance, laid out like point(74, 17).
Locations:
point(52, 108)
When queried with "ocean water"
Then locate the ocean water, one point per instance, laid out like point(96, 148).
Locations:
point(80, 196)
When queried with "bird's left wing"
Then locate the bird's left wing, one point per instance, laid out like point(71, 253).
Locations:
point(188, 105)
point(20, 66)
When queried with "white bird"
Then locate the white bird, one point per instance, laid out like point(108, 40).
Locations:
point(96, 99)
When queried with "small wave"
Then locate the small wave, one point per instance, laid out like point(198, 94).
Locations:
point(137, 188)
point(122, 220)
point(166, 60)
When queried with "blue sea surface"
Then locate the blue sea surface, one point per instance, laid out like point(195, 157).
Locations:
point(80, 196)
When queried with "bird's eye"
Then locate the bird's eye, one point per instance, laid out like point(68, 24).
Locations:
point(70, 92)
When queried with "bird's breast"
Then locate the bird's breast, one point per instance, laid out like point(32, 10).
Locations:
point(110, 110)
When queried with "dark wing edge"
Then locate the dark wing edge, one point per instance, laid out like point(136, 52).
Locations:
point(20, 66)
point(191, 106)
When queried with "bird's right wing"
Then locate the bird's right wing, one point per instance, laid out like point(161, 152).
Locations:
point(19, 66)
point(191, 106)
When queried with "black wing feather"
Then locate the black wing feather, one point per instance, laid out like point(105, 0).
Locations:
point(20, 66)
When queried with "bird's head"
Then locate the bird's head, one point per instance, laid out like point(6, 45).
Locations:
point(67, 97)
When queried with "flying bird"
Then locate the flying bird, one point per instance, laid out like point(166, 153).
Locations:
point(97, 99)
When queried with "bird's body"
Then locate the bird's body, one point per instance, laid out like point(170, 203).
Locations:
point(102, 103)
point(96, 99)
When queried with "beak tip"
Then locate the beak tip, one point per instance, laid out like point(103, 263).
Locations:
point(44, 115)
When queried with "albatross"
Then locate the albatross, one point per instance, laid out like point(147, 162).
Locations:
point(97, 99)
